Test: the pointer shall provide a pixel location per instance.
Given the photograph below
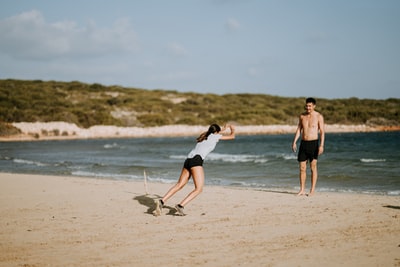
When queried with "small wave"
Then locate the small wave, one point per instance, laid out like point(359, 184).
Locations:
point(62, 163)
point(394, 193)
point(236, 158)
point(106, 175)
point(122, 176)
point(372, 160)
point(113, 145)
point(182, 157)
point(228, 158)
point(360, 191)
point(29, 162)
point(162, 180)
point(287, 156)
point(95, 165)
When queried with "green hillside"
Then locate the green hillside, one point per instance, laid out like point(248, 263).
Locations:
point(94, 104)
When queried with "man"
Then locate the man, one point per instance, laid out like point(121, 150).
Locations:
point(311, 124)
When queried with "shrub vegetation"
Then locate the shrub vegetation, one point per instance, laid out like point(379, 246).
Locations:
point(94, 104)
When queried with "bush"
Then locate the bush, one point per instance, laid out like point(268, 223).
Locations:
point(8, 130)
point(92, 104)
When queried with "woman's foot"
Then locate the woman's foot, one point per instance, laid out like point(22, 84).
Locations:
point(179, 210)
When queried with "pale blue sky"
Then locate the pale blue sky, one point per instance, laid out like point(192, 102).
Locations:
point(319, 48)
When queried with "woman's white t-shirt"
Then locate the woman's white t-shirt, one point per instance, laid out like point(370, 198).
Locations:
point(205, 147)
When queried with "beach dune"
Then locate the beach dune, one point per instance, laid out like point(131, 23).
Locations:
point(70, 221)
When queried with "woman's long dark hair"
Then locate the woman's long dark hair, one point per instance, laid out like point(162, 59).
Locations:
point(214, 128)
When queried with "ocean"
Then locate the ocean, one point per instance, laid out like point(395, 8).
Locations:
point(353, 162)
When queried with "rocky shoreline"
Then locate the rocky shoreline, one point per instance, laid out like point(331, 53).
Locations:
point(62, 130)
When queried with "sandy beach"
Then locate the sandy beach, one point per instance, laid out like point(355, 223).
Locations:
point(68, 221)
point(59, 130)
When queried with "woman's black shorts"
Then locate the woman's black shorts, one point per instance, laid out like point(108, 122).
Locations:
point(193, 162)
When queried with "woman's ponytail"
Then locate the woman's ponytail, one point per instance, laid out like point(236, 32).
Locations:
point(214, 128)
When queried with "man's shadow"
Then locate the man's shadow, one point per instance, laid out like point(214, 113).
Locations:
point(149, 202)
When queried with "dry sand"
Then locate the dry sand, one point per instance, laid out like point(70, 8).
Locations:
point(67, 221)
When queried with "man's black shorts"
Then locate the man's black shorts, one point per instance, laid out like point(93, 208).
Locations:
point(193, 162)
point(308, 150)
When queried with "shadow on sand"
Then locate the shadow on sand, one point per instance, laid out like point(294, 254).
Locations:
point(392, 207)
point(149, 202)
point(277, 191)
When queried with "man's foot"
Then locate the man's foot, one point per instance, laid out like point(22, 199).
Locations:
point(179, 210)
point(310, 194)
point(158, 209)
point(301, 193)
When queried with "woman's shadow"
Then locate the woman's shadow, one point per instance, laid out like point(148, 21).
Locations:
point(149, 202)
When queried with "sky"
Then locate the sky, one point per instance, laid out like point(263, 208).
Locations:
point(291, 48)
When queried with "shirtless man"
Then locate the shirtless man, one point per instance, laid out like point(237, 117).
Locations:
point(311, 123)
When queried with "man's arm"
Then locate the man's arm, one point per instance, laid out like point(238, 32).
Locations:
point(297, 135)
point(321, 127)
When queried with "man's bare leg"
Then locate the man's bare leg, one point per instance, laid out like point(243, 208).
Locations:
point(303, 173)
point(314, 176)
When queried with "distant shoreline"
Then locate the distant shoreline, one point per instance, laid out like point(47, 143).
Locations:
point(31, 131)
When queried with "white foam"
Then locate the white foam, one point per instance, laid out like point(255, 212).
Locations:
point(372, 160)
point(106, 175)
point(236, 158)
point(182, 157)
point(394, 193)
point(30, 162)
point(113, 145)
point(288, 156)
point(228, 158)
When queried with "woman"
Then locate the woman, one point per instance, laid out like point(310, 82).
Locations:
point(193, 167)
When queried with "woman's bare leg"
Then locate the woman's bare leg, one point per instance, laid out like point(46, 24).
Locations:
point(198, 179)
point(183, 179)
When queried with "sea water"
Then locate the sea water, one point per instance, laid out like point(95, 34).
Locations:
point(352, 162)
